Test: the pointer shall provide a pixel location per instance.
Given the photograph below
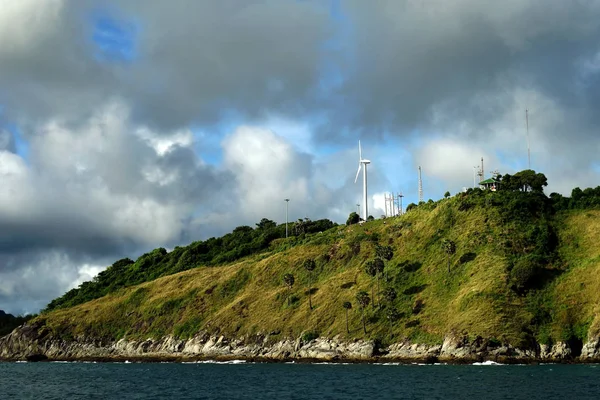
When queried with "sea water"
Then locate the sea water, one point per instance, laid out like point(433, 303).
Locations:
point(240, 380)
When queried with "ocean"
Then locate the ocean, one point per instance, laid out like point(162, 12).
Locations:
point(239, 380)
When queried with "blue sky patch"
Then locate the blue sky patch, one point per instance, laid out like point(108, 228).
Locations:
point(115, 39)
point(21, 144)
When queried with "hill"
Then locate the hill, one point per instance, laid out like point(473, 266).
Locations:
point(8, 322)
point(511, 269)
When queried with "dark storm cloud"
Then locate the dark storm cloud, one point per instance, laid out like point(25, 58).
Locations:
point(193, 59)
point(414, 58)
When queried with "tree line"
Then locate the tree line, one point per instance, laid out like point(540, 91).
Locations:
point(241, 242)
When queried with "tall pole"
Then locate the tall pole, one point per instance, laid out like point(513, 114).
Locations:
point(482, 173)
point(528, 151)
point(366, 208)
point(358, 209)
point(287, 203)
point(385, 198)
point(400, 196)
point(420, 186)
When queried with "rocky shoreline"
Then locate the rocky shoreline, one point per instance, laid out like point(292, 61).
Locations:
point(26, 343)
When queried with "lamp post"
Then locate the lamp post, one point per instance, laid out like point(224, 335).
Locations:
point(287, 202)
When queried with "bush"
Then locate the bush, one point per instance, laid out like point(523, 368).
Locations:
point(353, 218)
point(522, 274)
point(309, 336)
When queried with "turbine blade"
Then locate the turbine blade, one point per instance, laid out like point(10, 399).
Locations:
point(359, 151)
point(357, 172)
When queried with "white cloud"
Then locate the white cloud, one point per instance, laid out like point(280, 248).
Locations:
point(267, 170)
point(24, 22)
point(163, 143)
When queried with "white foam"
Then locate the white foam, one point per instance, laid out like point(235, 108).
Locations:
point(487, 363)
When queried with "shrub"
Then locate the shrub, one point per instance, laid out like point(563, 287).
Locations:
point(309, 336)
point(353, 218)
point(522, 274)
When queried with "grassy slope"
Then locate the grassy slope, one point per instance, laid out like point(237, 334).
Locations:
point(249, 297)
point(575, 295)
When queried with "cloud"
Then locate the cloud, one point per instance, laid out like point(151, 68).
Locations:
point(412, 56)
point(94, 193)
point(194, 60)
point(131, 125)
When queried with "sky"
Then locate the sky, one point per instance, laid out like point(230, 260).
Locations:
point(135, 124)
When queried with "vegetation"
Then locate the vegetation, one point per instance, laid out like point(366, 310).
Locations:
point(526, 267)
point(353, 218)
point(8, 322)
point(289, 280)
point(347, 306)
point(242, 242)
point(449, 248)
point(362, 298)
point(309, 265)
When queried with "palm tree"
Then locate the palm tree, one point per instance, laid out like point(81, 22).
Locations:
point(393, 315)
point(371, 270)
point(384, 252)
point(390, 294)
point(310, 266)
point(379, 266)
point(289, 280)
point(347, 306)
point(363, 299)
point(449, 248)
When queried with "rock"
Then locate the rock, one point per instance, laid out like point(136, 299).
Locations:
point(33, 342)
point(591, 349)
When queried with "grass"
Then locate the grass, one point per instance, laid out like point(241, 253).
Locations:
point(474, 299)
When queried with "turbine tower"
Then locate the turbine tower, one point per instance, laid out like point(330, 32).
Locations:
point(362, 162)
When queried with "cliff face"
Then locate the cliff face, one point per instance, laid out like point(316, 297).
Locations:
point(27, 343)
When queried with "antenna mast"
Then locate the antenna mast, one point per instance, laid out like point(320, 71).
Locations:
point(400, 196)
point(528, 150)
point(420, 186)
point(480, 173)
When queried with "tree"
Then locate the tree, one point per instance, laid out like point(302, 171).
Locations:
point(379, 267)
point(300, 226)
point(363, 300)
point(266, 224)
point(371, 270)
point(353, 218)
point(449, 248)
point(289, 280)
point(393, 315)
point(309, 265)
point(410, 207)
point(370, 218)
point(446, 195)
point(347, 306)
point(524, 181)
point(384, 252)
point(389, 294)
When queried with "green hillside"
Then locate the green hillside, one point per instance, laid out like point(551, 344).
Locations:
point(510, 266)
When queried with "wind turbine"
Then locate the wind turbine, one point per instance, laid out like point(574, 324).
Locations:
point(362, 161)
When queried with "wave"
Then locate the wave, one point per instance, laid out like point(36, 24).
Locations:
point(487, 363)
